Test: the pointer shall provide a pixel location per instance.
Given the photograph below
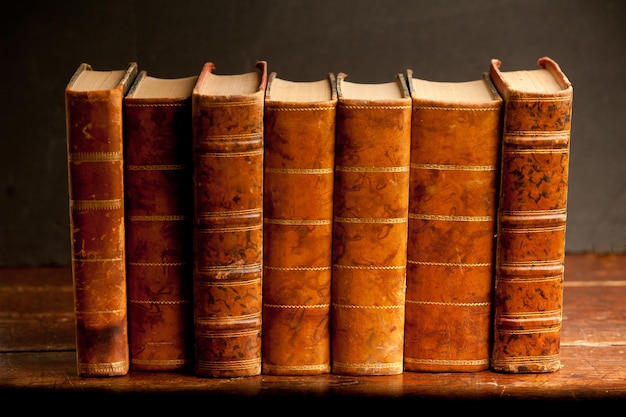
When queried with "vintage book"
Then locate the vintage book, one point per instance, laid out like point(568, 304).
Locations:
point(94, 123)
point(372, 152)
point(157, 176)
point(455, 149)
point(532, 211)
point(227, 121)
point(300, 120)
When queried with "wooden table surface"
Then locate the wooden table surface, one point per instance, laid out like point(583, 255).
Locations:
point(37, 358)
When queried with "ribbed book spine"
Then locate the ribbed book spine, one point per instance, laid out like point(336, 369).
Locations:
point(228, 231)
point(531, 225)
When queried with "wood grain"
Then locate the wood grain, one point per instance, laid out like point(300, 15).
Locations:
point(38, 358)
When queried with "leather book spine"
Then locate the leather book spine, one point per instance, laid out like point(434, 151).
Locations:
point(530, 249)
point(228, 229)
point(455, 151)
point(157, 174)
point(370, 234)
point(96, 201)
point(298, 218)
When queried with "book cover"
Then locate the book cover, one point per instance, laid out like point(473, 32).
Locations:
point(157, 174)
point(227, 151)
point(93, 113)
point(300, 120)
point(455, 148)
point(370, 227)
point(532, 212)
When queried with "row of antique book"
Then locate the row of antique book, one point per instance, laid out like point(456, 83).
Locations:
point(238, 225)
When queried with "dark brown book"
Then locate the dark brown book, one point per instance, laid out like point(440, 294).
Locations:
point(227, 113)
point(94, 123)
point(455, 157)
point(373, 142)
point(532, 211)
point(300, 120)
point(157, 174)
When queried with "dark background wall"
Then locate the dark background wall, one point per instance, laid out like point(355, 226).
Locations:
point(43, 42)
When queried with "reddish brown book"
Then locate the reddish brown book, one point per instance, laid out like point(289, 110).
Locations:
point(94, 123)
point(227, 113)
point(373, 142)
point(157, 174)
point(455, 147)
point(532, 211)
point(300, 120)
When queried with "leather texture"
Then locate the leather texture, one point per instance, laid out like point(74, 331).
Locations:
point(96, 198)
point(453, 193)
point(159, 209)
point(370, 233)
point(528, 304)
point(298, 216)
point(228, 229)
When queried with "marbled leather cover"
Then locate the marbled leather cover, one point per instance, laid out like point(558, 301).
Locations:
point(228, 229)
point(528, 303)
point(451, 246)
point(298, 212)
point(370, 233)
point(157, 152)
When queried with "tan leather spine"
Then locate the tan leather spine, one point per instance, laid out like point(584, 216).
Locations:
point(370, 233)
point(228, 229)
point(298, 215)
point(528, 304)
point(96, 200)
point(451, 245)
point(157, 171)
